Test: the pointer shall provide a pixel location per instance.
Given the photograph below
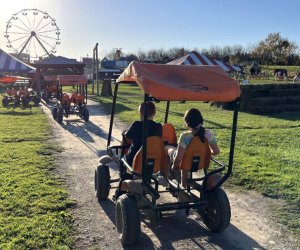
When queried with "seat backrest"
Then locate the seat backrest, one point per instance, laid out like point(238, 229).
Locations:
point(156, 157)
point(74, 97)
point(79, 99)
point(197, 155)
point(65, 99)
point(168, 134)
point(52, 88)
point(11, 92)
point(23, 92)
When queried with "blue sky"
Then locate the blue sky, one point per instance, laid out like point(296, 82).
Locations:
point(148, 24)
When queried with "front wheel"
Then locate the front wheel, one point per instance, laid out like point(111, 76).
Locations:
point(102, 182)
point(5, 101)
point(54, 113)
point(60, 115)
point(128, 219)
point(217, 215)
point(85, 114)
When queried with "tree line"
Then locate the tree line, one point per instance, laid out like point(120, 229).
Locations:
point(273, 50)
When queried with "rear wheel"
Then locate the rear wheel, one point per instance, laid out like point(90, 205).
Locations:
point(102, 182)
point(60, 115)
point(36, 100)
point(17, 102)
point(85, 114)
point(5, 101)
point(217, 216)
point(128, 219)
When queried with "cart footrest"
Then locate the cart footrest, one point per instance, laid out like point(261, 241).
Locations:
point(180, 205)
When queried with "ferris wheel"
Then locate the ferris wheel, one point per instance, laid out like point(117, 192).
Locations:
point(33, 32)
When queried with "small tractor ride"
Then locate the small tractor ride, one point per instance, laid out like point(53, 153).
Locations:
point(71, 104)
point(139, 188)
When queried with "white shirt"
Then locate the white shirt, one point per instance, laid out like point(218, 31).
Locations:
point(296, 78)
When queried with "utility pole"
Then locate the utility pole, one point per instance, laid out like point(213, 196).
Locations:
point(95, 69)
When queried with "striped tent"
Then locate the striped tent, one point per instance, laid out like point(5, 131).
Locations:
point(9, 63)
point(195, 58)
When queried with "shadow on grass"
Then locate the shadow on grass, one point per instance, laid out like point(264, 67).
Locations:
point(17, 111)
point(174, 227)
point(105, 107)
point(289, 116)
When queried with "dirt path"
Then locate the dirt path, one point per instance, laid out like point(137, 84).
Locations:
point(251, 223)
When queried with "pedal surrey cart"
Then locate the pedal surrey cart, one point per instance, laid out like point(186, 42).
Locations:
point(71, 104)
point(18, 93)
point(51, 90)
point(138, 185)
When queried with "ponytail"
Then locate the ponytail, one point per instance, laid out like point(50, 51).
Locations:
point(201, 133)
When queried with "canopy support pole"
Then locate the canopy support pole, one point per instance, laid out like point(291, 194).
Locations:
point(145, 135)
point(232, 144)
point(167, 111)
point(113, 108)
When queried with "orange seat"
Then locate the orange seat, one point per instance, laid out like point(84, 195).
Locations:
point(79, 99)
point(65, 100)
point(74, 97)
point(197, 155)
point(23, 92)
point(156, 157)
point(52, 88)
point(11, 92)
point(168, 134)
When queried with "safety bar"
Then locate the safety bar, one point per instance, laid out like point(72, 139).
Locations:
point(231, 153)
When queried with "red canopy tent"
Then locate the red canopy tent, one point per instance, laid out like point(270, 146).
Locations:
point(195, 58)
point(12, 79)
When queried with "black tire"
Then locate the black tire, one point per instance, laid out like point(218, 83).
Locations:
point(17, 102)
point(128, 220)
point(60, 115)
point(85, 114)
point(36, 101)
point(217, 216)
point(25, 102)
point(5, 102)
point(102, 182)
point(54, 113)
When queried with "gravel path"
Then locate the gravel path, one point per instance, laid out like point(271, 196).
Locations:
point(251, 225)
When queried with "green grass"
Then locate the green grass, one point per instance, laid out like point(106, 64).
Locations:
point(33, 202)
point(267, 152)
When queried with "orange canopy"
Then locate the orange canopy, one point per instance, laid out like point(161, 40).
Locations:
point(182, 82)
point(71, 80)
